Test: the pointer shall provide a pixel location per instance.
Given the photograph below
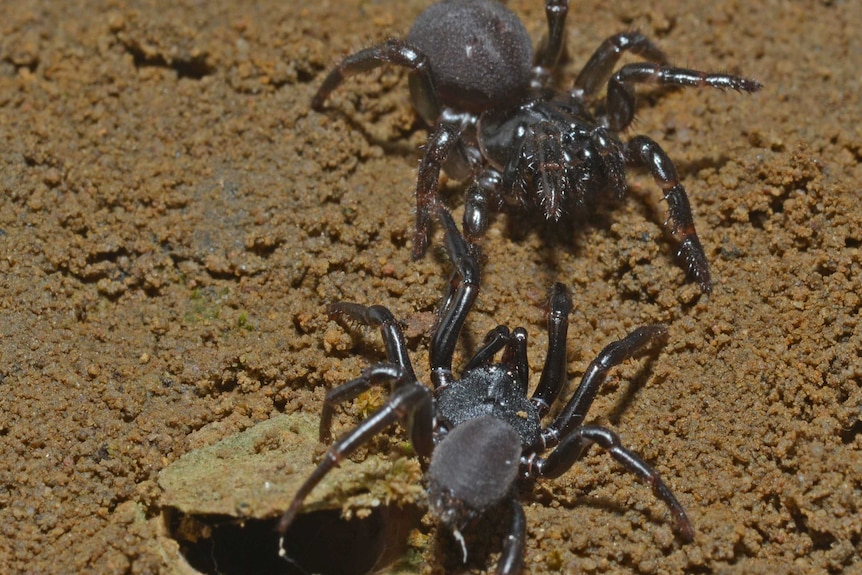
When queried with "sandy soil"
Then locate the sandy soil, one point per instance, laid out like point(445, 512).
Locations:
point(173, 219)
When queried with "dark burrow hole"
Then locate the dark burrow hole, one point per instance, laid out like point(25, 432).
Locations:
point(321, 542)
point(850, 433)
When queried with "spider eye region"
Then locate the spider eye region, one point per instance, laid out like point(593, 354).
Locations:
point(479, 51)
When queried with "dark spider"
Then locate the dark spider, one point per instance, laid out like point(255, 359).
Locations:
point(495, 118)
point(482, 432)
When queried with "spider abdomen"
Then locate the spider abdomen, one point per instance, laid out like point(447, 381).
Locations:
point(464, 483)
point(479, 51)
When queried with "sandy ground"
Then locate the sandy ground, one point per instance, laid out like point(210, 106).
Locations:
point(174, 218)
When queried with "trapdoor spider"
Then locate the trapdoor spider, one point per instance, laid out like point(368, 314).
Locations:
point(482, 432)
point(496, 119)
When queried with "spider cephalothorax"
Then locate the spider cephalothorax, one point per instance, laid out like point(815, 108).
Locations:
point(483, 431)
point(496, 119)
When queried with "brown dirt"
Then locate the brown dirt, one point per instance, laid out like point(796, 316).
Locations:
point(174, 219)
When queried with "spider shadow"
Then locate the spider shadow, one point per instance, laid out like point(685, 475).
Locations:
point(610, 505)
point(399, 146)
point(692, 167)
point(634, 385)
point(564, 236)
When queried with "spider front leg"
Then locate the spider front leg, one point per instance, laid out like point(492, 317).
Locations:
point(512, 555)
point(476, 208)
point(396, 52)
point(443, 138)
point(396, 353)
point(410, 403)
point(380, 317)
point(515, 358)
point(621, 98)
point(613, 354)
point(458, 304)
point(576, 444)
point(554, 181)
point(554, 372)
point(548, 56)
point(494, 341)
point(643, 151)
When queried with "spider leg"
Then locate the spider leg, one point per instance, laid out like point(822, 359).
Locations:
point(475, 222)
point(644, 151)
point(621, 99)
point(576, 444)
point(548, 56)
point(397, 52)
point(443, 138)
point(455, 310)
point(512, 555)
point(515, 358)
point(613, 354)
point(554, 372)
point(598, 68)
point(396, 353)
point(390, 329)
point(411, 404)
point(345, 392)
point(494, 341)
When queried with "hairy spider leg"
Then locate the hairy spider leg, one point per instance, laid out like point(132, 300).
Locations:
point(458, 304)
point(443, 138)
point(610, 150)
point(576, 444)
point(573, 440)
point(390, 329)
point(410, 403)
point(553, 377)
point(396, 353)
point(621, 98)
point(393, 51)
point(620, 104)
point(644, 151)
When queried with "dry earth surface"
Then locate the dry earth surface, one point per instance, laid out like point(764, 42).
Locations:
point(174, 218)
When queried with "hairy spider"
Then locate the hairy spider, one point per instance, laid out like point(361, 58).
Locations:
point(482, 432)
point(496, 119)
